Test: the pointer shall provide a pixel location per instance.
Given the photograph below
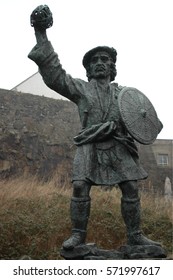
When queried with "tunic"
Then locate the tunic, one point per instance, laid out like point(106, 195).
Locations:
point(106, 154)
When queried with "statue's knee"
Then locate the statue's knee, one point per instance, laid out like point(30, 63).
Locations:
point(80, 189)
point(129, 189)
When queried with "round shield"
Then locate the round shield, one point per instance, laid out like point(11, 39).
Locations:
point(138, 115)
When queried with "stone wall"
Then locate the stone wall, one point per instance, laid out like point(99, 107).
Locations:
point(36, 137)
point(36, 134)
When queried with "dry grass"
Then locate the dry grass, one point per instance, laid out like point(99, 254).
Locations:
point(34, 218)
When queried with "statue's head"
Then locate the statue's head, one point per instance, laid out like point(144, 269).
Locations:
point(100, 61)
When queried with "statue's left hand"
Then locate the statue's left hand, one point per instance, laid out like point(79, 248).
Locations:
point(41, 18)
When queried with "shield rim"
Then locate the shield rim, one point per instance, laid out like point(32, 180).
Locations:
point(138, 137)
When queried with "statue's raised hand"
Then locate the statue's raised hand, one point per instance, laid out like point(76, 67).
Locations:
point(41, 18)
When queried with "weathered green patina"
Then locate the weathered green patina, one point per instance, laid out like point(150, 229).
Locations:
point(106, 153)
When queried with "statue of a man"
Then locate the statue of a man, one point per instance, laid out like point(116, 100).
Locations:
point(106, 154)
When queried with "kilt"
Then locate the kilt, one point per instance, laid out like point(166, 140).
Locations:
point(106, 163)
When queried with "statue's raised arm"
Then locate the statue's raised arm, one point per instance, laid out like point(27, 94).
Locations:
point(50, 68)
point(41, 19)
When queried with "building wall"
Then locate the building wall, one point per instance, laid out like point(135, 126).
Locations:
point(157, 171)
point(35, 85)
point(163, 147)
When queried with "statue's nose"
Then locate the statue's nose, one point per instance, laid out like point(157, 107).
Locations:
point(99, 61)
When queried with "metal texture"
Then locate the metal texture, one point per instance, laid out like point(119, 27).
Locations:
point(138, 115)
point(41, 17)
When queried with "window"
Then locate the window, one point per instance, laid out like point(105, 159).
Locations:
point(162, 159)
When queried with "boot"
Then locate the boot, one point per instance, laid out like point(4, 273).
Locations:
point(80, 210)
point(130, 209)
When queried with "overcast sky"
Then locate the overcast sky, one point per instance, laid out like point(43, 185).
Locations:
point(140, 30)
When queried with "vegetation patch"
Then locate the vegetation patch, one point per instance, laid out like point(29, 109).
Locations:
point(35, 219)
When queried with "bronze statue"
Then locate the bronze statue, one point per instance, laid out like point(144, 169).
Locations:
point(106, 151)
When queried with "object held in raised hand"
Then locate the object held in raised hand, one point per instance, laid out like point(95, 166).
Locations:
point(41, 18)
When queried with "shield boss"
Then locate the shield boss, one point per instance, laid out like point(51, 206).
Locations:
point(138, 115)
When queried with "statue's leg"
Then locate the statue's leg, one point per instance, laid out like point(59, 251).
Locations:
point(130, 208)
point(79, 210)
